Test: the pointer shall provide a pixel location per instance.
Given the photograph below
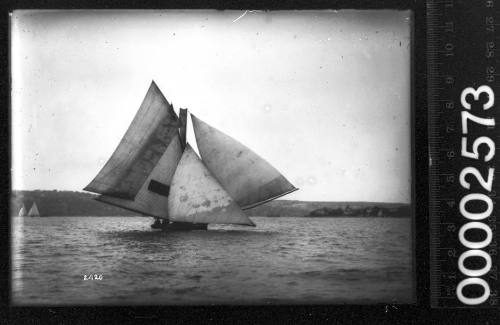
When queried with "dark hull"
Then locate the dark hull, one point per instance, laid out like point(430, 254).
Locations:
point(179, 226)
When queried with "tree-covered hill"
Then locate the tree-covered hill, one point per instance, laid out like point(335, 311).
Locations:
point(64, 203)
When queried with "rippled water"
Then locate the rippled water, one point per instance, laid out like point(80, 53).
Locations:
point(282, 260)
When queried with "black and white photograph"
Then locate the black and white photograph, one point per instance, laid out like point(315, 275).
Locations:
point(211, 157)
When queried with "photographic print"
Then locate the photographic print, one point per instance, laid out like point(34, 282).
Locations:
point(198, 157)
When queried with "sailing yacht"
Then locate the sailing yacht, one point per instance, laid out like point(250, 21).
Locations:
point(34, 211)
point(22, 211)
point(155, 171)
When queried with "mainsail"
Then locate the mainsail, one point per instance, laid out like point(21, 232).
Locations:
point(34, 211)
point(249, 179)
point(151, 199)
point(22, 211)
point(142, 146)
point(197, 197)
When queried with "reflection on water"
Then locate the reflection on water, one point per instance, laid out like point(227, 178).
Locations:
point(283, 260)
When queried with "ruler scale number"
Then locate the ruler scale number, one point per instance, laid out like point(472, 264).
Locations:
point(463, 136)
point(474, 219)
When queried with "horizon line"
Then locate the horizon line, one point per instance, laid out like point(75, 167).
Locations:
point(345, 201)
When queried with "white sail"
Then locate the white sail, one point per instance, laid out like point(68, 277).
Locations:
point(34, 211)
point(248, 178)
point(22, 211)
point(147, 138)
point(152, 196)
point(197, 197)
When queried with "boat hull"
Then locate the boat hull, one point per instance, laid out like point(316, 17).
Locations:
point(180, 226)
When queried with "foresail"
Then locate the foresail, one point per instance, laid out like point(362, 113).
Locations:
point(248, 178)
point(197, 197)
point(151, 199)
point(140, 149)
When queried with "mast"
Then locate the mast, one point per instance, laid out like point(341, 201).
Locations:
point(183, 126)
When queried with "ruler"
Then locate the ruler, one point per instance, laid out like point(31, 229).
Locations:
point(464, 135)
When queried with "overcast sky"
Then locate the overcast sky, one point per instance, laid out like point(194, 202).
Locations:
point(324, 96)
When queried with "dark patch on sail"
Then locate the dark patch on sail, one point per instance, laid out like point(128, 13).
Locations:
point(158, 188)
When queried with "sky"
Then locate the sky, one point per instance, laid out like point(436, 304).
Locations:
point(324, 96)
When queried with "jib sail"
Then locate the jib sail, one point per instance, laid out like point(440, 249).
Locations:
point(197, 197)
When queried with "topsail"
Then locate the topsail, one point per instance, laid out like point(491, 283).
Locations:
point(145, 141)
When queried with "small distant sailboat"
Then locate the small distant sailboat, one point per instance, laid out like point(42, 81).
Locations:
point(34, 211)
point(155, 172)
point(22, 212)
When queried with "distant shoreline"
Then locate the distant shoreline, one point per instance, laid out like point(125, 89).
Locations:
point(71, 203)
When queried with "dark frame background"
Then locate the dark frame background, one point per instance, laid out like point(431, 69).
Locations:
point(411, 313)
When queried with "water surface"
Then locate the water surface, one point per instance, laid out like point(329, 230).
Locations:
point(281, 261)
